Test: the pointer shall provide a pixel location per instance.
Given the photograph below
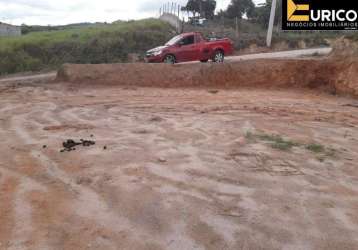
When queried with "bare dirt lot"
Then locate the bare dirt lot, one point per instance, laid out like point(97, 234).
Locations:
point(177, 168)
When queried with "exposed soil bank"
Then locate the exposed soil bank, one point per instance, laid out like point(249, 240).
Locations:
point(330, 74)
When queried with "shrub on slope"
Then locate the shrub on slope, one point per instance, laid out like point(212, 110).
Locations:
point(104, 43)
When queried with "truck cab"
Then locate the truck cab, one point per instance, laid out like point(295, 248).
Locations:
point(191, 47)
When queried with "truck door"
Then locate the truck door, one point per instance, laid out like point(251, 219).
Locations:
point(203, 52)
point(188, 50)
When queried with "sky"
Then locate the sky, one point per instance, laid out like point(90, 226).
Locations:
point(55, 12)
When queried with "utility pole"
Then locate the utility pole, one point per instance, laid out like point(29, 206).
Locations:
point(201, 9)
point(271, 23)
point(237, 27)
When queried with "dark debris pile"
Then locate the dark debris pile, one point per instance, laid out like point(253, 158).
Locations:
point(71, 145)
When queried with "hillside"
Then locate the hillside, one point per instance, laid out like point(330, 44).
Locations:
point(49, 47)
point(26, 29)
point(103, 43)
point(252, 36)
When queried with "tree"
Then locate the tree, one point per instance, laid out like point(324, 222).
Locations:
point(205, 8)
point(209, 7)
point(191, 6)
point(261, 13)
point(238, 8)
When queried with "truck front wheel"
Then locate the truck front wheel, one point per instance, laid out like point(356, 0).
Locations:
point(218, 56)
point(169, 59)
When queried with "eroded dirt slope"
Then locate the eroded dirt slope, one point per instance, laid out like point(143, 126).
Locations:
point(333, 75)
point(183, 169)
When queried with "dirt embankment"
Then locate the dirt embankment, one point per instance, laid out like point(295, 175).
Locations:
point(334, 74)
point(345, 58)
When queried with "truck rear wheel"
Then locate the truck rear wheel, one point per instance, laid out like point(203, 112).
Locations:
point(219, 56)
point(169, 59)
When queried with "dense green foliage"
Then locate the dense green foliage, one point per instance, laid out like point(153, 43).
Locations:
point(261, 13)
point(258, 14)
point(205, 8)
point(250, 28)
point(238, 8)
point(25, 29)
point(102, 43)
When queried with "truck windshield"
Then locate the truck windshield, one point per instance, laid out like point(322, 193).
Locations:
point(174, 40)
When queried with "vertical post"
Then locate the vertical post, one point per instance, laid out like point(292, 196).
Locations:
point(271, 22)
point(201, 9)
point(182, 25)
point(237, 27)
point(178, 10)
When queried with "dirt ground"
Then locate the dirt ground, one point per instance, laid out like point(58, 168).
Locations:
point(177, 168)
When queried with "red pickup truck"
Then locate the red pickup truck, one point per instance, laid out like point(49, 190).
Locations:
point(191, 47)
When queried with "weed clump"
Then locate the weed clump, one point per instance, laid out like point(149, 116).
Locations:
point(278, 142)
point(275, 141)
point(315, 148)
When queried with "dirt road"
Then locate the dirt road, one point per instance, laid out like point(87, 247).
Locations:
point(177, 169)
point(28, 77)
point(282, 54)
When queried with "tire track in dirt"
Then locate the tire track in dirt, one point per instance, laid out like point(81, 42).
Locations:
point(8, 188)
point(86, 204)
point(178, 181)
point(23, 228)
point(188, 180)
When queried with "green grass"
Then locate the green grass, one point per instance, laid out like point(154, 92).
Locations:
point(278, 142)
point(101, 43)
point(275, 141)
point(82, 35)
point(315, 148)
point(249, 136)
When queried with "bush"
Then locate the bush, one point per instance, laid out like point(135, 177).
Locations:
point(102, 43)
point(18, 62)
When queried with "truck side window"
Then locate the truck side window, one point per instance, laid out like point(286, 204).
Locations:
point(188, 40)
